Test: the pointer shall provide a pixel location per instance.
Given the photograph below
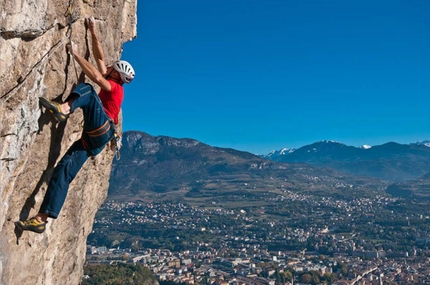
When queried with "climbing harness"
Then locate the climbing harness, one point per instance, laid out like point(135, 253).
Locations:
point(100, 131)
point(69, 13)
point(99, 137)
point(94, 140)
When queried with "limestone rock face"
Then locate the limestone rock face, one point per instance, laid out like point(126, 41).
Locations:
point(34, 63)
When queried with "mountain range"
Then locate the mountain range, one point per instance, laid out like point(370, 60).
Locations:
point(390, 161)
point(160, 167)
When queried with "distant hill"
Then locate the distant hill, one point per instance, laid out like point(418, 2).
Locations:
point(390, 161)
point(169, 168)
point(417, 188)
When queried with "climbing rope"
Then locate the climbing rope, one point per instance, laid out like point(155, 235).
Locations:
point(45, 57)
point(23, 79)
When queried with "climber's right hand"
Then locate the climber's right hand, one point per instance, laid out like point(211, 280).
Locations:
point(91, 24)
point(72, 48)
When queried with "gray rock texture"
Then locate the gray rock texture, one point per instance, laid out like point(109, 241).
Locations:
point(34, 63)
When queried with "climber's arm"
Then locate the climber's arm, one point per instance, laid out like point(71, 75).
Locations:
point(90, 70)
point(97, 47)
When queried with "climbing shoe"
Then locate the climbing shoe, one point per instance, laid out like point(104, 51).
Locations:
point(54, 108)
point(31, 224)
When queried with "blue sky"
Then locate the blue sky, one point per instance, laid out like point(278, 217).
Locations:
point(263, 75)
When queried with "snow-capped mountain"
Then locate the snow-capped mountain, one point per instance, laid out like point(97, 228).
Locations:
point(276, 153)
point(425, 143)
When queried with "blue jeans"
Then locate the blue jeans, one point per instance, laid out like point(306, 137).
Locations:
point(75, 157)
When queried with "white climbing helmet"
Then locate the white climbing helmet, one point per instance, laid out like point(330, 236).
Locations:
point(125, 70)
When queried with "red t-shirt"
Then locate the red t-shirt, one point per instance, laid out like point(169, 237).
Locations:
point(112, 100)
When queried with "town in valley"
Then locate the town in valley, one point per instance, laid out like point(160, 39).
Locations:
point(288, 238)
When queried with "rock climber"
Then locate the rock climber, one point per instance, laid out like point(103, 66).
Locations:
point(100, 115)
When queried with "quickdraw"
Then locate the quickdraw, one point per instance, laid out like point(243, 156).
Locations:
point(117, 142)
point(69, 13)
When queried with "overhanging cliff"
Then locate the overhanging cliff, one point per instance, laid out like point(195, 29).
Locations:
point(34, 63)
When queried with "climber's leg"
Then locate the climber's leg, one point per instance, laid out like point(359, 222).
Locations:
point(63, 174)
point(85, 97)
point(58, 186)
